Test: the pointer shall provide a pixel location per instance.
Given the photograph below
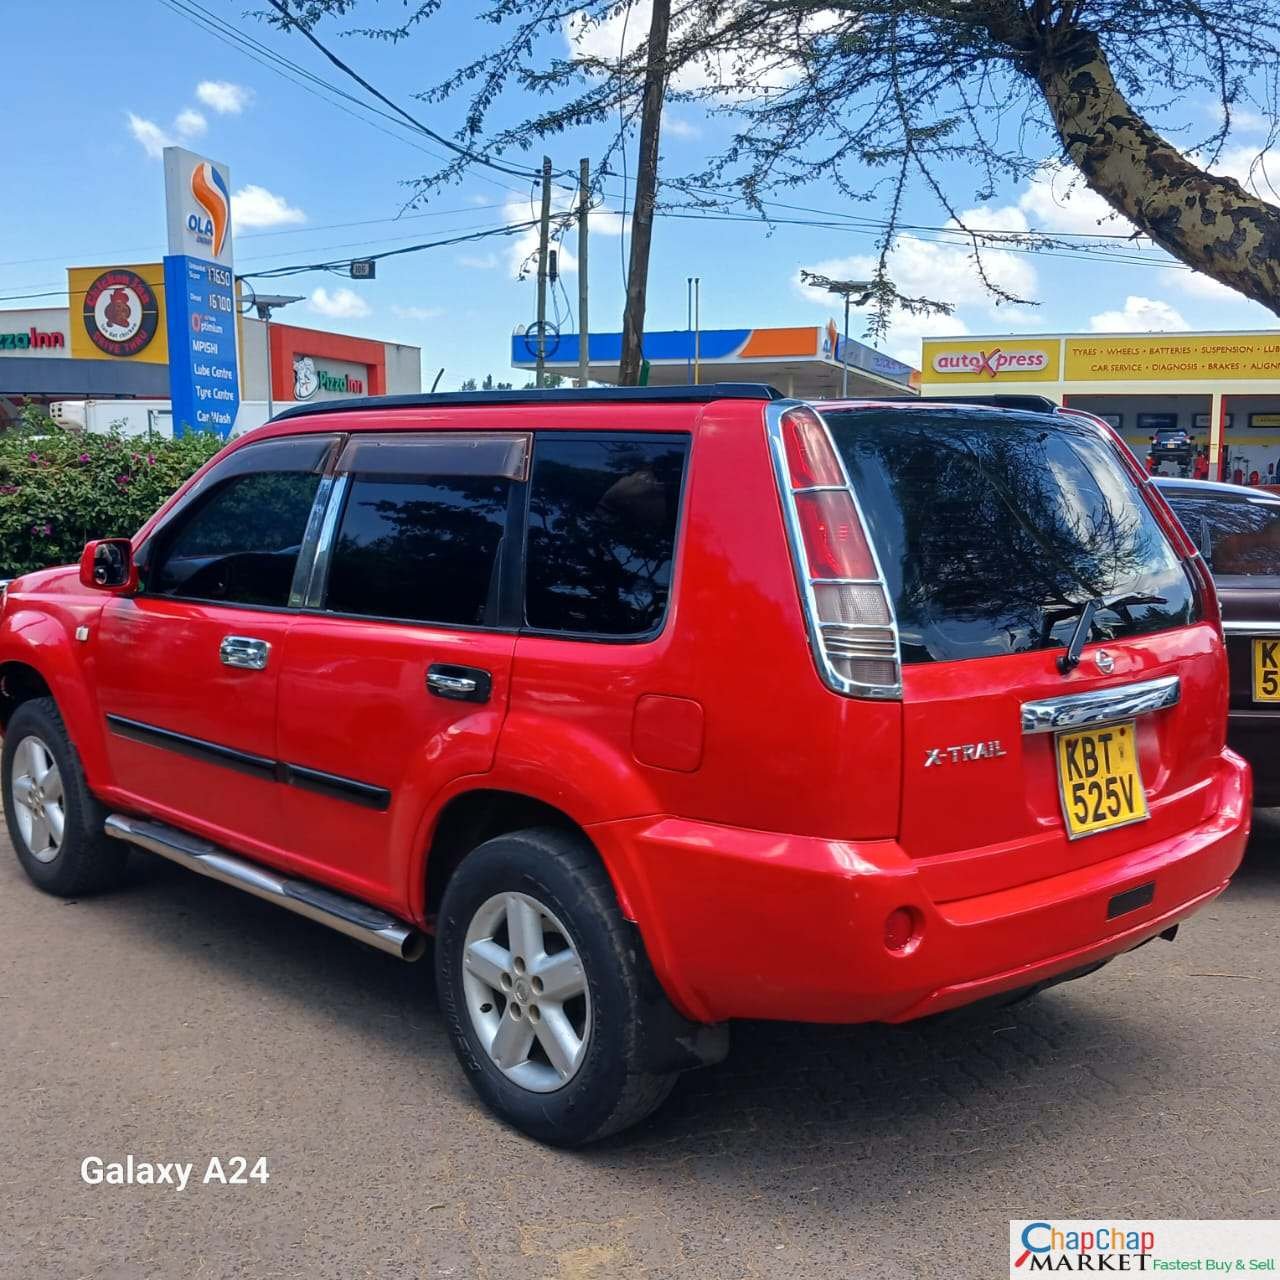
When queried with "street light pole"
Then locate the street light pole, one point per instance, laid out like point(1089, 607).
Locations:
point(847, 289)
point(844, 355)
point(264, 304)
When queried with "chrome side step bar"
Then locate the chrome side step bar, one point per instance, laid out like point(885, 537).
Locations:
point(347, 915)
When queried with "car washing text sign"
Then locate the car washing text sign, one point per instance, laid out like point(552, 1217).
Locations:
point(204, 378)
point(1157, 1247)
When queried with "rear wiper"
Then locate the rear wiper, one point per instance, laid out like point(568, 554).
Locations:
point(1070, 660)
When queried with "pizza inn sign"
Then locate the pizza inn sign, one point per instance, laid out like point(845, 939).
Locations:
point(33, 339)
point(990, 363)
point(308, 378)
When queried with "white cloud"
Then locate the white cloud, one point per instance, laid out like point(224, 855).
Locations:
point(189, 123)
point(522, 254)
point(1257, 172)
point(1140, 315)
point(677, 127)
point(341, 304)
point(417, 313)
point(1243, 119)
point(944, 273)
point(254, 206)
point(478, 261)
point(222, 96)
point(1202, 286)
point(151, 136)
point(1057, 199)
point(625, 29)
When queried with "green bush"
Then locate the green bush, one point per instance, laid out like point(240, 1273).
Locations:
point(60, 487)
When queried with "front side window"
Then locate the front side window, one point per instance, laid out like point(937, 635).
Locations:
point(239, 543)
point(419, 548)
point(1238, 537)
point(602, 532)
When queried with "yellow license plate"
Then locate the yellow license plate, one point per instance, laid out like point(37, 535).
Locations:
point(1266, 671)
point(1099, 778)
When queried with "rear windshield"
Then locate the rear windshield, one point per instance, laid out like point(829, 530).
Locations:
point(994, 529)
point(1239, 537)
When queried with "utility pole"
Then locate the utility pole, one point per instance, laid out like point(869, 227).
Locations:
point(655, 87)
point(697, 330)
point(544, 236)
point(584, 330)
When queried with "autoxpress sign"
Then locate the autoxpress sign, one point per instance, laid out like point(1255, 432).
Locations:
point(204, 376)
point(204, 382)
point(987, 360)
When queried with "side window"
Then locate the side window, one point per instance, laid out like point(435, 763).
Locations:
point(1244, 538)
point(420, 547)
point(238, 539)
point(601, 535)
point(1192, 513)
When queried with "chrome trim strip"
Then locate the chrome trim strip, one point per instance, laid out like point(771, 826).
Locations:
point(773, 413)
point(314, 595)
point(1235, 627)
point(347, 915)
point(1100, 706)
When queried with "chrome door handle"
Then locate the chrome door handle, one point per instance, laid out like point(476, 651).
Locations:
point(244, 651)
point(462, 684)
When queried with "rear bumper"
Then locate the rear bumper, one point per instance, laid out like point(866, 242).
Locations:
point(751, 924)
point(1256, 736)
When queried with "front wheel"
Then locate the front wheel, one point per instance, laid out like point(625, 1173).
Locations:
point(540, 981)
point(54, 821)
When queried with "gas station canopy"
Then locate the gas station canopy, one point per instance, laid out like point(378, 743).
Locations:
point(806, 361)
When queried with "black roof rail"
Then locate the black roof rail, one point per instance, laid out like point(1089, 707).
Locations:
point(991, 400)
point(703, 394)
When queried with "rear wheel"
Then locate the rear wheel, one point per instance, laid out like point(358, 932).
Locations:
point(540, 980)
point(55, 824)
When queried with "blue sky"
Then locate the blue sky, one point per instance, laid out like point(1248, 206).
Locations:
point(95, 90)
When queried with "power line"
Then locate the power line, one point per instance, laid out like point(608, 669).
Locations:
point(463, 152)
point(266, 57)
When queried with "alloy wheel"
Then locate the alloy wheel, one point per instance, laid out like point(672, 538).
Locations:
point(526, 992)
point(38, 800)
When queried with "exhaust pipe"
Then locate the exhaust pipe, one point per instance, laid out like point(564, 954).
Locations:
point(356, 919)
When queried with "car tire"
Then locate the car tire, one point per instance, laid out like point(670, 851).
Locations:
point(487, 908)
point(55, 824)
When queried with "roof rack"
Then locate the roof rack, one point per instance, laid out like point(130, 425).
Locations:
point(993, 400)
point(703, 394)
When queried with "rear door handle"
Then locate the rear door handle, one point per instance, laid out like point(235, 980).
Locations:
point(244, 651)
point(461, 684)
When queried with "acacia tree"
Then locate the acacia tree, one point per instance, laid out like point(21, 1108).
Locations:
point(878, 99)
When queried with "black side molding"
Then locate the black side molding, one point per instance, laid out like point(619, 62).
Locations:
point(333, 785)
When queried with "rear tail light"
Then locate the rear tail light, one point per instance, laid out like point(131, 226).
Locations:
point(851, 626)
point(1183, 543)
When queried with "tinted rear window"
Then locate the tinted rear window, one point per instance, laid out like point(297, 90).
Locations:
point(1239, 537)
point(993, 530)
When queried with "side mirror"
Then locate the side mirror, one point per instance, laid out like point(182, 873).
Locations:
point(107, 565)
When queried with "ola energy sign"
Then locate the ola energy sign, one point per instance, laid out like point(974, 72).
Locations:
point(204, 374)
point(197, 194)
point(986, 360)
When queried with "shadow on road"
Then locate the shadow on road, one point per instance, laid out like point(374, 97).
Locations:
point(786, 1094)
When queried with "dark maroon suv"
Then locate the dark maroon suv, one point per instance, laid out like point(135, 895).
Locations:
point(1238, 532)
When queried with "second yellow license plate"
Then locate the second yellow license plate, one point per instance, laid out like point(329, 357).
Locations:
point(1266, 671)
point(1099, 778)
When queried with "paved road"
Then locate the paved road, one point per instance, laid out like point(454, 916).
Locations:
point(180, 1019)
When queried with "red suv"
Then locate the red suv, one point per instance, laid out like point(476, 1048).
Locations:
point(658, 708)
